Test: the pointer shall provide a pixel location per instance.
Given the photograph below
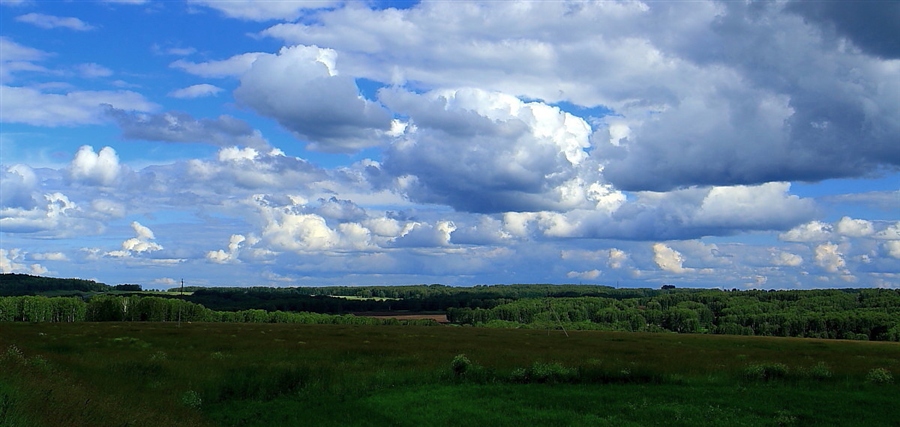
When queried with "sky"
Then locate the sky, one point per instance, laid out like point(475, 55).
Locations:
point(706, 144)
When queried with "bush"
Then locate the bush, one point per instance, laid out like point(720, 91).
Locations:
point(191, 399)
point(879, 376)
point(460, 365)
point(765, 372)
point(819, 371)
point(544, 373)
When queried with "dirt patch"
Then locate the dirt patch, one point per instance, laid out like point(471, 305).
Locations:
point(437, 317)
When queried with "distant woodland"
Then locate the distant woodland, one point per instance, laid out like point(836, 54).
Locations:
point(858, 314)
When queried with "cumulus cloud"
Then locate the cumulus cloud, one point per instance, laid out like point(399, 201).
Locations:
point(854, 227)
point(53, 216)
point(829, 257)
point(418, 234)
point(893, 248)
point(223, 257)
point(707, 93)
point(813, 231)
point(787, 259)
point(33, 107)
point(49, 22)
point(481, 151)
point(18, 187)
point(302, 90)
point(668, 259)
point(584, 275)
point(100, 168)
point(13, 261)
point(175, 126)
point(617, 258)
point(141, 243)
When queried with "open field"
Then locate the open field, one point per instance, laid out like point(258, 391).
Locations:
point(437, 317)
point(150, 374)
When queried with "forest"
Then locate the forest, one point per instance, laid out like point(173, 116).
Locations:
point(857, 314)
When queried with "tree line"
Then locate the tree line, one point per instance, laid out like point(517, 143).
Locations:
point(859, 314)
point(863, 314)
point(135, 308)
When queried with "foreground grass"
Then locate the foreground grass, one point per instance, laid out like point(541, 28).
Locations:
point(150, 374)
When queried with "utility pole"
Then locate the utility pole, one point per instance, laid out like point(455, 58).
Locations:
point(181, 303)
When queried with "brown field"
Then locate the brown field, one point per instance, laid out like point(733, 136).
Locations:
point(437, 317)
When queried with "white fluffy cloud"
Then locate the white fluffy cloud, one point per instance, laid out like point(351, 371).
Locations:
point(13, 261)
point(813, 231)
point(829, 257)
point(100, 168)
point(231, 255)
point(787, 259)
point(668, 259)
point(141, 243)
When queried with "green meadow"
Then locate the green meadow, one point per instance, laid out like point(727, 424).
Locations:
point(250, 374)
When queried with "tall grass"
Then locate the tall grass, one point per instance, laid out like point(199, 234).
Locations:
point(198, 374)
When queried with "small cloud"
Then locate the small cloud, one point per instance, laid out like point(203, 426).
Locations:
point(196, 91)
point(49, 22)
point(584, 275)
point(787, 259)
point(92, 70)
point(142, 242)
point(830, 258)
point(669, 259)
point(50, 256)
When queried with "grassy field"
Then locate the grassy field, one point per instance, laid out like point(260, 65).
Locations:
point(152, 374)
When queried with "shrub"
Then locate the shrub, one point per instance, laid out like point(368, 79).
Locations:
point(819, 371)
point(460, 365)
point(765, 371)
point(191, 399)
point(544, 373)
point(13, 354)
point(879, 376)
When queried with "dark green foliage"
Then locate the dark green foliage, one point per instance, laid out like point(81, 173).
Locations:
point(12, 284)
point(460, 365)
point(856, 314)
point(766, 372)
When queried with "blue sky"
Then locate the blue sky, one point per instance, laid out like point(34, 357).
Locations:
point(701, 144)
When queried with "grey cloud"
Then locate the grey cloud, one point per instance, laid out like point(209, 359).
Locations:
point(340, 210)
point(778, 102)
point(300, 89)
point(177, 126)
point(499, 163)
point(873, 26)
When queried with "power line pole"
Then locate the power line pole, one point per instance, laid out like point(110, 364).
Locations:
point(181, 303)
